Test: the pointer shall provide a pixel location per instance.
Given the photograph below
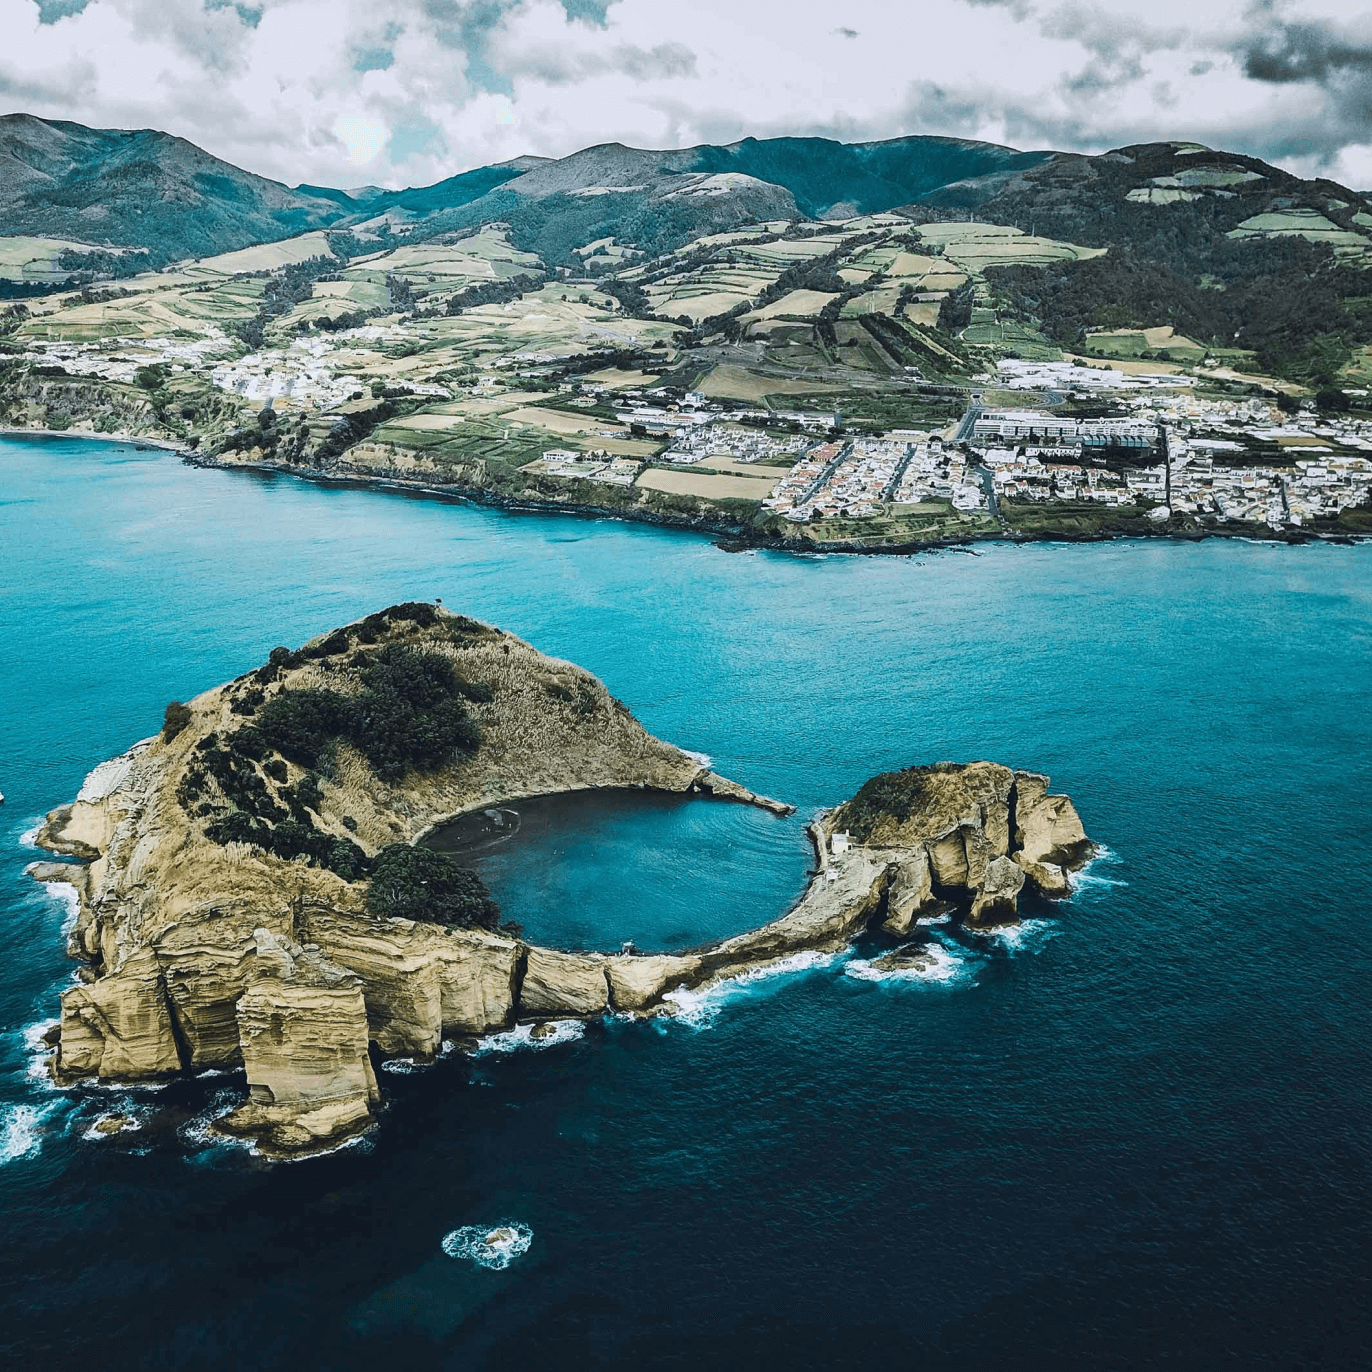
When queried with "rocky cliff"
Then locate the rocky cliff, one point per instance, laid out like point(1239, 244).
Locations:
point(250, 896)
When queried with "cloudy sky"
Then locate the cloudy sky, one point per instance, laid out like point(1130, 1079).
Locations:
point(405, 92)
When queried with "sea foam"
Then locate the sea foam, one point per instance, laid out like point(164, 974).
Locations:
point(699, 1009)
point(494, 1246)
point(1028, 936)
point(66, 895)
point(946, 965)
point(1091, 875)
point(21, 1132)
point(521, 1036)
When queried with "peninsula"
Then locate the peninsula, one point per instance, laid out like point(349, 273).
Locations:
point(251, 894)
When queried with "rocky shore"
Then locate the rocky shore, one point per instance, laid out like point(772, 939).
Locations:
point(737, 535)
point(733, 534)
point(228, 890)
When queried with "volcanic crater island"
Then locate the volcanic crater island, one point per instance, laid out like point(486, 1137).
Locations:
point(255, 891)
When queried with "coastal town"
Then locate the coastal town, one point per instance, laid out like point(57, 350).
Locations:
point(1073, 435)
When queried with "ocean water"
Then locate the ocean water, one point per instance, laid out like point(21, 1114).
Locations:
point(1135, 1134)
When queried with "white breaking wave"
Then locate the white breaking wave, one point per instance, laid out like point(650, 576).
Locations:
point(64, 893)
point(403, 1067)
point(493, 1246)
point(1090, 875)
point(522, 1036)
point(944, 965)
point(704, 759)
point(21, 1132)
point(1028, 936)
point(38, 1053)
point(700, 1008)
point(197, 1133)
point(131, 1118)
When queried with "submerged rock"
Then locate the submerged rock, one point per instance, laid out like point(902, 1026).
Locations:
point(114, 1124)
point(911, 958)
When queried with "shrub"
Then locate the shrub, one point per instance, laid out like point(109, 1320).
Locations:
point(248, 742)
point(301, 724)
point(176, 717)
point(420, 884)
point(292, 838)
point(408, 715)
point(308, 791)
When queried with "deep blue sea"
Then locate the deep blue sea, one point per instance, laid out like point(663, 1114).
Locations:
point(1134, 1136)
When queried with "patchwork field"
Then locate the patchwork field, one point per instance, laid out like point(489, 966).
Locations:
point(1129, 343)
point(974, 247)
point(1304, 223)
point(797, 304)
point(265, 257)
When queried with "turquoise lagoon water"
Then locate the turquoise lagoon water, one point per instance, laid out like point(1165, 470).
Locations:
point(1134, 1135)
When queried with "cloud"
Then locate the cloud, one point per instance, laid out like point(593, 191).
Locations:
point(1305, 52)
point(404, 91)
point(1322, 72)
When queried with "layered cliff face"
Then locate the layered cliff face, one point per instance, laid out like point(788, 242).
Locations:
point(249, 895)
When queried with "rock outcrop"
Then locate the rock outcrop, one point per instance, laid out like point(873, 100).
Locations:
point(979, 830)
point(1049, 839)
point(226, 910)
point(303, 1027)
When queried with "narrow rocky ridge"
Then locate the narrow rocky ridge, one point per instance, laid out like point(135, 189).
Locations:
point(223, 887)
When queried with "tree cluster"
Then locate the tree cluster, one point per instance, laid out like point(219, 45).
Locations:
point(493, 292)
point(283, 291)
point(420, 884)
point(409, 715)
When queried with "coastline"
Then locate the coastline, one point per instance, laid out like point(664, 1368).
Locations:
point(749, 540)
point(168, 444)
point(732, 535)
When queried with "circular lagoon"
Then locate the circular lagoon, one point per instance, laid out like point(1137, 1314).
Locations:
point(595, 869)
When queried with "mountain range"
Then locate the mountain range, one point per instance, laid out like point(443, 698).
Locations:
point(154, 191)
point(146, 189)
point(1217, 245)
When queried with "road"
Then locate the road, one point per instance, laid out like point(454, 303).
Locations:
point(823, 478)
point(969, 421)
point(888, 493)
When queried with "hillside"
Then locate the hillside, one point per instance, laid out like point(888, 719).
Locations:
point(1226, 249)
point(140, 188)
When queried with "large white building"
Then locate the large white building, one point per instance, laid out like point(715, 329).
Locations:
point(1003, 424)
